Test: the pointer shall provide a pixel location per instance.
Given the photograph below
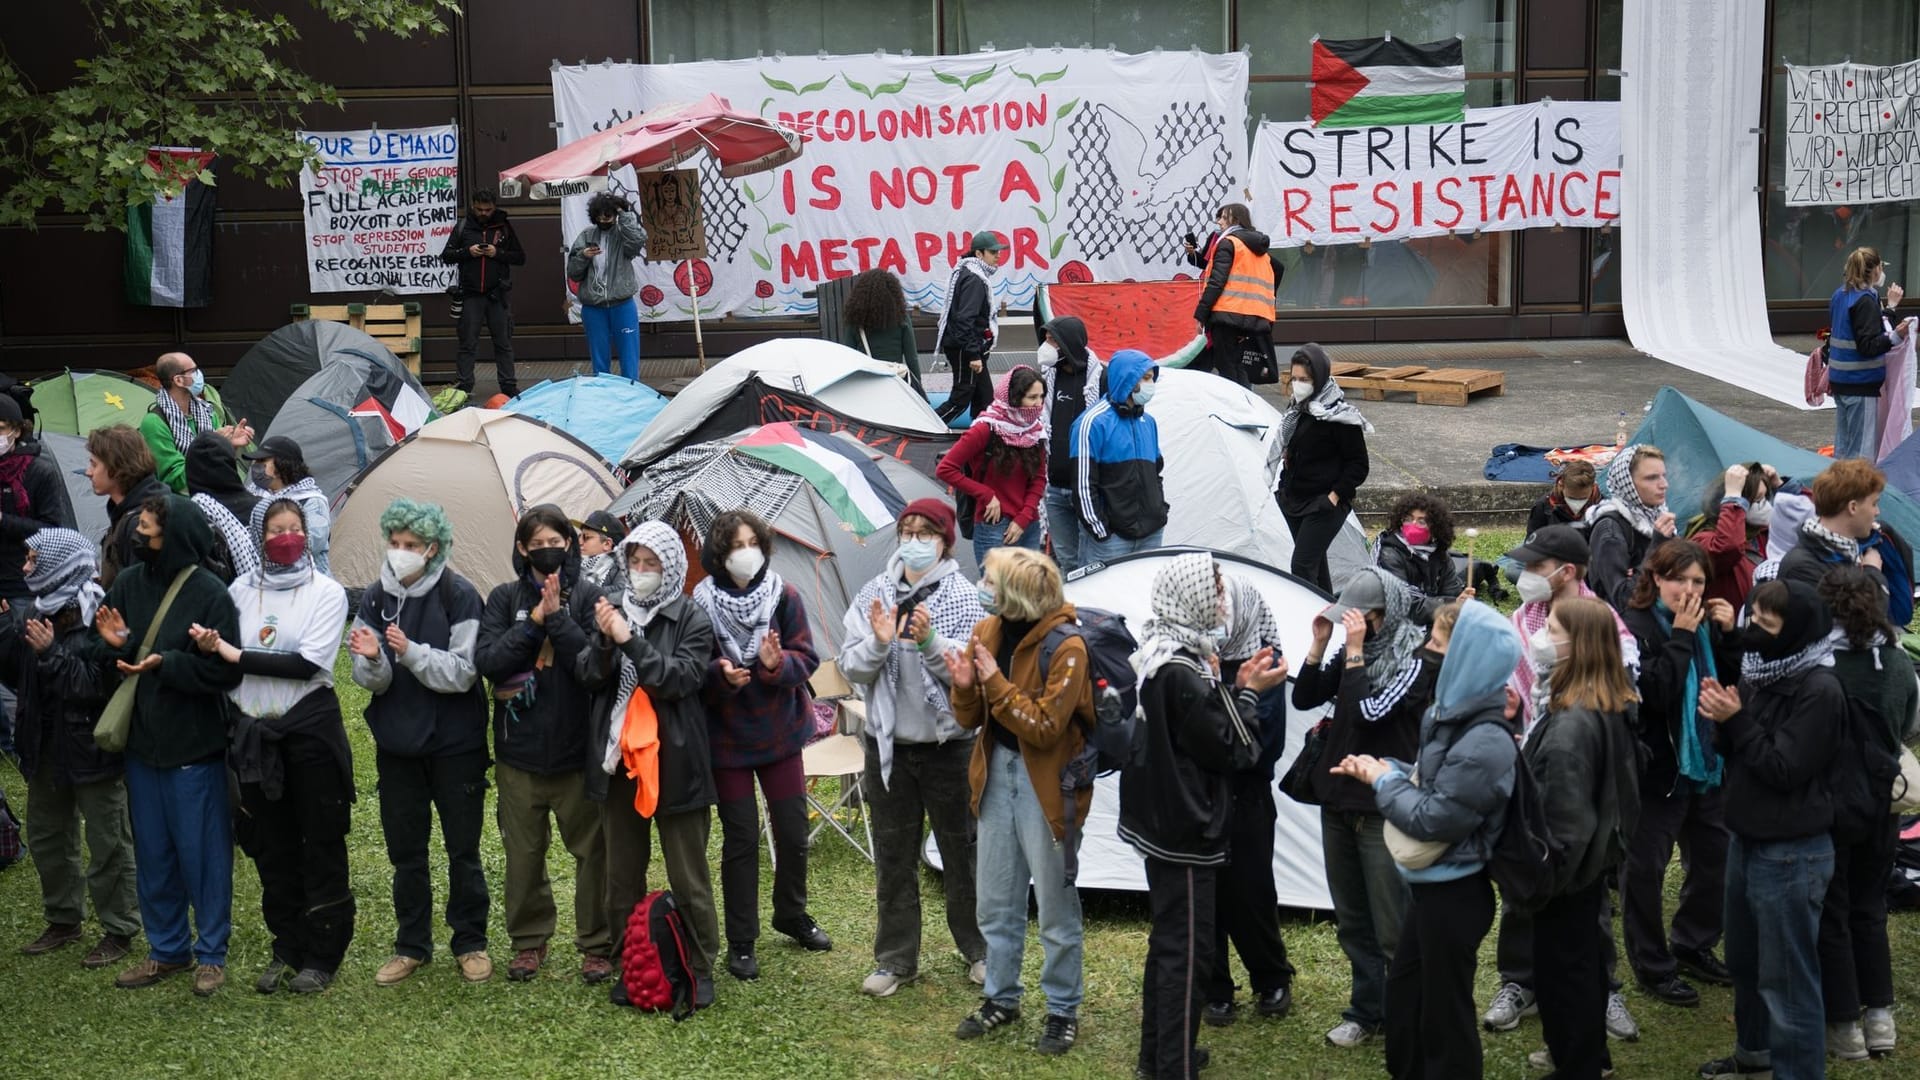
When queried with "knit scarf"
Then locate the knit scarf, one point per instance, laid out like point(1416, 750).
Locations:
point(241, 552)
point(1697, 758)
point(659, 538)
point(1250, 622)
point(1017, 427)
point(1844, 546)
point(64, 565)
point(1623, 499)
point(183, 426)
point(741, 616)
point(13, 481)
point(954, 606)
point(1186, 608)
point(1757, 671)
point(969, 265)
point(1329, 403)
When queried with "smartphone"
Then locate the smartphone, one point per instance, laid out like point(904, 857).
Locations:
point(1192, 240)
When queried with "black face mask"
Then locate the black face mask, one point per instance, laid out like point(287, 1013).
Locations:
point(146, 553)
point(547, 561)
point(1753, 639)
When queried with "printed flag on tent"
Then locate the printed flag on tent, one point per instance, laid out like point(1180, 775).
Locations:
point(1380, 81)
point(842, 472)
point(398, 405)
point(170, 240)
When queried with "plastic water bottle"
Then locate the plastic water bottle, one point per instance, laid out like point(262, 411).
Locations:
point(1620, 433)
point(1108, 706)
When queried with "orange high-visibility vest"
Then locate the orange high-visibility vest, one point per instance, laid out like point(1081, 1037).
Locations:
point(1249, 289)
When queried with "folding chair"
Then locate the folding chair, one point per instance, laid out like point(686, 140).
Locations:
point(840, 756)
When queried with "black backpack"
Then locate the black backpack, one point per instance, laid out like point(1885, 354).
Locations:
point(1525, 859)
point(1116, 693)
point(1863, 773)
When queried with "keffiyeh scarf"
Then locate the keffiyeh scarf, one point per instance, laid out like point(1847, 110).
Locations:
point(969, 265)
point(1757, 671)
point(1329, 403)
point(1388, 649)
point(1623, 499)
point(64, 565)
point(306, 493)
point(741, 617)
point(1186, 608)
point(953, 605)
point(179, 423)
point(241, 552)
point(1250, 622)
point(659, 538)
point(1845, 546)
point(1016, 427)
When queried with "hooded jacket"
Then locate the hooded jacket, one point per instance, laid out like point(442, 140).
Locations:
point(1219, 273)
point(180, 709)
point(61, 693)
point(670, 657)
point(1433, 574)
point(1040, 714)
point(1812, 557)
point(1176, 792)
point(1587, 764)
point(1116, 451)
point(1068, 393)
point(1664, 659)
point(546, 672)
point(482, 275)
point(893, 679)
point(968, 328)
point(47, 504)
point(212, 469)
point(1323, 456)
point(1781, 744)
point(121, 546)
point(429, 702)
point(620, 245)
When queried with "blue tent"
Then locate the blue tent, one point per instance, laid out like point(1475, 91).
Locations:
point(1700, 444)
point(605, 411)
point(1903, 467)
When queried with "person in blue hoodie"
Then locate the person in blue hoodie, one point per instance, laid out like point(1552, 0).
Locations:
point(1117, 464)
point(1458, 807)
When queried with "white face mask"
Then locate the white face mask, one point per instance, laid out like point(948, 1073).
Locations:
point(1880, 279)
point(644, 585)
point(1542, 651)
point(1302, 390)
point(6, 445)
point(1534, 588)
point(919, 554)
point(406, 565)
point(1760, 514)
point(1047, 355)
point(745, 563)
point(1577, 505)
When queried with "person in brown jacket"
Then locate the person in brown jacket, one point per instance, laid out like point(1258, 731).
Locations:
point(1029, 736)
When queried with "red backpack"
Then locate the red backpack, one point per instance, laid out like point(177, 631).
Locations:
point(656, 970)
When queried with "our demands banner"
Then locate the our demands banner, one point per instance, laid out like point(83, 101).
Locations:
point(1088, 164)
point(380, 209)
point(1853, 134)
point(1516, 167)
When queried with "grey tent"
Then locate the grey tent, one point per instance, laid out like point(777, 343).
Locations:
point(349, 412)
point(70, 453)
point(269, 373)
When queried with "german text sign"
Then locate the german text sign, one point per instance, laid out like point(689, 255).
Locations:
point(1853, 134)
point(380, 208)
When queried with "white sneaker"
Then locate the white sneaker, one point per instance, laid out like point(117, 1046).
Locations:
point(1620, 1023)
point(1846, 1042)
point(1542, 1059)
point(1348, 1034)
point(977, 972)
point(1879, 1032)
point(882, 983)
point(1509, 1005)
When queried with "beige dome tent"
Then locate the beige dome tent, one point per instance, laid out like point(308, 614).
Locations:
point(485, 467)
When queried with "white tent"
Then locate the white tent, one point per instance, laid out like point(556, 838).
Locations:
point(1125, 586)
point(843, 379)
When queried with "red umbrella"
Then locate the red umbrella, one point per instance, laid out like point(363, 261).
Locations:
point(655, 141)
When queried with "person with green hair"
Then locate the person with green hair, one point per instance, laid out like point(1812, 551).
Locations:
point(413, 643)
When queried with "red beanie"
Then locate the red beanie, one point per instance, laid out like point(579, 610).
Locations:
point(936, 511)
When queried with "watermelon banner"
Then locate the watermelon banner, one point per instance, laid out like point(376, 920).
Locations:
point(1086, 160)
point(1155, 317)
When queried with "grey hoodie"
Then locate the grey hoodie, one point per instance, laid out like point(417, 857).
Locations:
point(619, 246)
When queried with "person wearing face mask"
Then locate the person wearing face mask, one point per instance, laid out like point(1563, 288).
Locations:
point(653, 769)
point(1176, 795)
point(1324, 439)
point(600, 266)
point(968, 327)
point(1416, 546)
point(287, 477)
point(1733, 529)
point(898, 632)
point(290, 753)
point(1863, 332)
point(1073, 374)
point(32, 495)
point(1778, 733)
point(1117, 464)
point(184, 409)
point(413, 645)
point(176, 743)
point(600, 538)
point(1573, 497)
point(536, 650)
point(1000, 464)
point(1846, 531)
point(759, 719)
point(1380, 681)
point(1631, 523)
point(1684, 637)
point(875, 320)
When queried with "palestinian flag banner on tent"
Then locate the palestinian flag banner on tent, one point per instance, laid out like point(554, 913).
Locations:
point(1383, 82)
point(170, 240)
point(842, 472)
point(397, 404)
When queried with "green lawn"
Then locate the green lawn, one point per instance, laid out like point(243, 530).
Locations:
point(803, 1018)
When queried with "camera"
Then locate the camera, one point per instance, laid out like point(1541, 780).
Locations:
point(456, 300)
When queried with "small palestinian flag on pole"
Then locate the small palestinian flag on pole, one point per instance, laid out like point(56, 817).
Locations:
point(170, 240)
point(1382, 82)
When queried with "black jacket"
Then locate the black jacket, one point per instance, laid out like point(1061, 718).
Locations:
point(1618, 549)
point(969, 327)
point(1067, 390)
point(1382, 721)
point(1664, 659)
point(482, 275)
point(671, 662)
point(1586, 765)
point(1324, 457)
point(1870, 338)
point(1217, 274)
point(117, 550)
point(1551, 510)
point(1812, 557)
point(543, 729)
point(1434, 576)
point(61, 693)
point(46, 504)
point(1176, 791)
point(1779, 747)
point(213, 470)
point(419, 708)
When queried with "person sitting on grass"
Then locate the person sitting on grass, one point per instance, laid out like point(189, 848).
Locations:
point(1572, 499)
point(1416, 546)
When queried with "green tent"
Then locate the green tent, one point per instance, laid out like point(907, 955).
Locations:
point(78, 402)
point(1700, 444)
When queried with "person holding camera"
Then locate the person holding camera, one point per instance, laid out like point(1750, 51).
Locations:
point(600, 267)
point(486, 249)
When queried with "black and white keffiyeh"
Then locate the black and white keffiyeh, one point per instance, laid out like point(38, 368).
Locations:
point(659, 538)
point(1250, 622)
point(953, 606)
point(1328, 404)
point(741, 616)
point(1388, 649)
point(1757, 671)
point(969, 265)
point(1845, 546)
point(1623, 499)
point(183, 427)
point(241, 552)
point(1186, 608)
point(64, 566)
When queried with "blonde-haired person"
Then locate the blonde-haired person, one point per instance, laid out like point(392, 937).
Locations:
point(1862, 333)
point(1026, 823)
point(1583, 754)
point(1632, 521)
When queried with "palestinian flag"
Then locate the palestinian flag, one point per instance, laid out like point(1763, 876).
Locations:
point(394, 402)
point(170, 240)
point(842, 472)
point(1382, 82)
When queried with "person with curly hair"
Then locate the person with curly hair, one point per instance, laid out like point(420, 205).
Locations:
point(875, 320)
point(600, 266)
point(1417, 547)
point(1000, 464)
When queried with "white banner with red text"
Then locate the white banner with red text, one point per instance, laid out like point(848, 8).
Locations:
point(380, 208)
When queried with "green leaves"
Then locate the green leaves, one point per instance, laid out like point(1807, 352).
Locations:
point(1031, 145)
point(778, 227)
point(1061, 112)
point(778, 84)
point(966, 82)
point(1059, 178)
point(1058, 243)
point(1039, 80)
point(782, 84)
point(821, 85)
point(875, 91)
point(1041, 214)
point(760, 260)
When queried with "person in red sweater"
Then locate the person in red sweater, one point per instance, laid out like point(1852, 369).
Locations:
point(1001, 464)
point(1733, 530)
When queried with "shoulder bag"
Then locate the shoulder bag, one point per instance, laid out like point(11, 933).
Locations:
point(116, 720)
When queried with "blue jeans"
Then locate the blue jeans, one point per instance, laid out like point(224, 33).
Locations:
point(1015, 846)
point(990, 535)
point(1856, 427)
point(605, 326)
point(1104, 551)
point(183, 855)
point(1063, 526)
point(1774, 892)
point(1369, 906)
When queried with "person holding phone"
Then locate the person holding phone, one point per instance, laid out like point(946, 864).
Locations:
point(600, 267)
point(486, 249)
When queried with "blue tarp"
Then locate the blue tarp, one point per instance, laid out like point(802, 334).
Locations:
point(605, 411)
point(1520, 464)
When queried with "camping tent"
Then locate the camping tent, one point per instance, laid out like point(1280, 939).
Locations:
point(818, 549)
point(843, 379)
point(70, 453)
point(344, 415)
point(1221, 443)
point(78, 402)
point(1125, 586)
point(270, 372)
point(1700, 443)
point(485, 467)
point(605, 411)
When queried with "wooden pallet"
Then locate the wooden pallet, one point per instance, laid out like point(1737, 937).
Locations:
point(1430, 386)
point(397, 326)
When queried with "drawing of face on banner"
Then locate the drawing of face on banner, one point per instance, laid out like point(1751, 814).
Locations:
point(1085, 158)
point(670, 210)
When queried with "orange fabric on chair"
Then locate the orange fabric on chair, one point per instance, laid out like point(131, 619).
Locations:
point(640, 751)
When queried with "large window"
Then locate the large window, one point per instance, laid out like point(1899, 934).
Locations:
point(731, 30)
point(1127, 25)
